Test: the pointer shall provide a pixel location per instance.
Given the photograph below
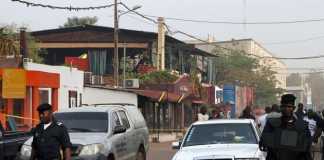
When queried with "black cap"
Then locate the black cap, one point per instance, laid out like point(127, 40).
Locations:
point(44, 107)
point(288, 99)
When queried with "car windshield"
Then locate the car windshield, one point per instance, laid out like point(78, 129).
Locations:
point(220, 134)
point(84, 121)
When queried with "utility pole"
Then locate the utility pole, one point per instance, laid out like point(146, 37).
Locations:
point(161, 44)
point(116, 63)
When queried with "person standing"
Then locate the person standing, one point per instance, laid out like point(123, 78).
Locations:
point(286, 137)
point(263, 118)
point(203, 116)
point(50, 137)
point(300, 111)
point(247, 113)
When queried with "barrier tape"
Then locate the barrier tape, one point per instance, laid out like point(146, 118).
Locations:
point(20, 117)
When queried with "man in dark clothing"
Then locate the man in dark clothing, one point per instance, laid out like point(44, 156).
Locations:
point(300, 111)
point(286, 137)
point(50, 137)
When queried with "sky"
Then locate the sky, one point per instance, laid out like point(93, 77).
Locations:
point(214, 10)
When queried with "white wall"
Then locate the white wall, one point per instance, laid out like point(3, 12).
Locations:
point(100, 95)
point(71, 79)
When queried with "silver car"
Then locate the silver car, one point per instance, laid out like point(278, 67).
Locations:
point(101, 132)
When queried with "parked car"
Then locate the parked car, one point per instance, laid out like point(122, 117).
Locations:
point(220, 139)
point(11, 142)
point(105, 131)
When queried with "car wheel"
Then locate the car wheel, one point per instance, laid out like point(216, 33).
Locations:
point(141, 155)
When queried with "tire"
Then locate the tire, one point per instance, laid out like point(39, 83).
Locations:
point(141, 155)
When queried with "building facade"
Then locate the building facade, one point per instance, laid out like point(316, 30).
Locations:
point(254, 49)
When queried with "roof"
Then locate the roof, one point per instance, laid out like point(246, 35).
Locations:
point(101, 34)
point(224, 121)
point(93, 108)
point(155, 95)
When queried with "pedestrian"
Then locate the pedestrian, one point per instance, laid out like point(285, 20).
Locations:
point(216, 113)
point(286, 137)
point(263, 119)
point(247, 113)
point(301, 113)
point(50, 137)
point(203, 116)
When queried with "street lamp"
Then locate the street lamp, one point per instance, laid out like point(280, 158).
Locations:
point(116, 28)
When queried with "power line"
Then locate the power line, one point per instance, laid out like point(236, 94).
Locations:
point(294, 41)
point(264, 57)
point(70, 8)
point(238, 23)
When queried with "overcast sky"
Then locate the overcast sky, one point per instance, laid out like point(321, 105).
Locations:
point(216, 10)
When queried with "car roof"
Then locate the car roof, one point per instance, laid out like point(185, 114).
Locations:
point(224, 121)
point(96, 108)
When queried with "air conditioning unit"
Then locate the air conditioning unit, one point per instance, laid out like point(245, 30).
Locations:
point(97, 80)
point(132, 83)
point(87, 77)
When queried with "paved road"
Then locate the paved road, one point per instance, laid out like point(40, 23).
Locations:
point(160, 151)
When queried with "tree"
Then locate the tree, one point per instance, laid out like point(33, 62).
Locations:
point(9, 44)
point(235, 67)
point(79, 21)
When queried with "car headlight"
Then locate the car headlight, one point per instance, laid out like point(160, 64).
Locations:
point(26, 151)
point(92, 149)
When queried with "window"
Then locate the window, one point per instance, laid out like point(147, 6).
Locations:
point(124, 119)
point(221, 134)
point(116, 121)
point(84, 121)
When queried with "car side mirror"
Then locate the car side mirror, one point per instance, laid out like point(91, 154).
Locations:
point(176, 145)
point(119, 129)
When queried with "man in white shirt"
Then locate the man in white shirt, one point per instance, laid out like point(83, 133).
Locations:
point(203, 116)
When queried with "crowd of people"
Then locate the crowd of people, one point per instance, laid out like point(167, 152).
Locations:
point(288, 131)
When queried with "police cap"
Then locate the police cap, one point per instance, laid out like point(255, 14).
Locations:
point(44, 107)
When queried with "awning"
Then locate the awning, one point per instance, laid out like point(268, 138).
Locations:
point(160, 96)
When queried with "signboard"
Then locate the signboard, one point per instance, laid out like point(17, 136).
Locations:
point(14, 83)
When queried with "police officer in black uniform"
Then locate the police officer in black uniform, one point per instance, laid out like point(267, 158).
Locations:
point(286, 137)
point(50, 137)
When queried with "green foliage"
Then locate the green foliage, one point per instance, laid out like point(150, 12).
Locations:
point(235, 67)
point(79, 21)
point(9, 44)
point(158, 77)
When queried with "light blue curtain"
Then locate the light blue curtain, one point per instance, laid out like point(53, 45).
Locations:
point(97, 60)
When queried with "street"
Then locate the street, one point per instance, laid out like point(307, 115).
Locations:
point(160, 151)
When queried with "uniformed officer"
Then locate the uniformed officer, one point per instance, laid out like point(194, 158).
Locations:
point(286, 137)
point(50, 137)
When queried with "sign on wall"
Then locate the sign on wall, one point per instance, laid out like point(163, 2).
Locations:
point(14, 83)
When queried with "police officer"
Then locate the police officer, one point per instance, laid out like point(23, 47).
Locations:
point(286, 137)
point(50, 137)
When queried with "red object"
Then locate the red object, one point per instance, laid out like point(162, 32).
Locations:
point(79, 63)
point(35, 80)
point(144, 69)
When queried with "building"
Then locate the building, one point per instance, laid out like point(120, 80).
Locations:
point(70, 92)
point(101, 95)
point(252, 48)
point(297, 85)
point(170, 107)
point(136, 49)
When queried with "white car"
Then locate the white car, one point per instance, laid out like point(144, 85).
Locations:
point(235, 139)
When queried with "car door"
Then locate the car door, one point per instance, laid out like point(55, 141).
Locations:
point(131, 141)
point(119, 141)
